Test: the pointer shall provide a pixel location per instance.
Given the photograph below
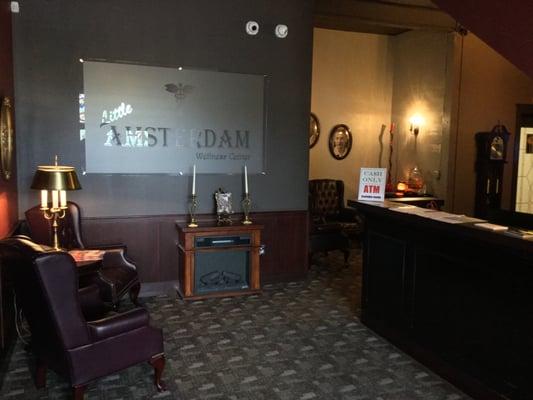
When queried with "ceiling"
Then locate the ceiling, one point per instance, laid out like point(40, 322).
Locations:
point(386, 17)
point(504, 25)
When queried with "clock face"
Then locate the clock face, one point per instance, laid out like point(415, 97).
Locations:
point(497, 148)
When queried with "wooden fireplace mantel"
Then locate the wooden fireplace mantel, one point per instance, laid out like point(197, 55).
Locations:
point(189, 250)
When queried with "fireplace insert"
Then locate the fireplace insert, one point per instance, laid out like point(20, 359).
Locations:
point(226, 270)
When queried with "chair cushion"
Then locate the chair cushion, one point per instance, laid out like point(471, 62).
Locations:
point(92, 305)
point(328, 227)
point(328, 241)
point(350, 227)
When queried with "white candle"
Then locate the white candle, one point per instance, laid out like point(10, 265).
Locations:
point(245, 180)
point(194, 179)
point(44, 198)
point(63, 198)
point(55, 199)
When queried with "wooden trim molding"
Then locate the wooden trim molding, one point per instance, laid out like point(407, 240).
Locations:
point(152, 242)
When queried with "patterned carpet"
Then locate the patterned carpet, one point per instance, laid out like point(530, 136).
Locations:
point(298, 340)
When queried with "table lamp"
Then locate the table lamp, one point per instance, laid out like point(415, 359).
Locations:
point(53, 181)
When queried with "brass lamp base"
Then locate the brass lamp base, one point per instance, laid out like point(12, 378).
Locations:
point(54, 214)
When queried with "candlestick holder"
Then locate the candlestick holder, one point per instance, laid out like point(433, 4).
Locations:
point(193, 205)
point(246, 207)
point(54, 214)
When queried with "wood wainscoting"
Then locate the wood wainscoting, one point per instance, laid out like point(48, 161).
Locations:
point(152, 242)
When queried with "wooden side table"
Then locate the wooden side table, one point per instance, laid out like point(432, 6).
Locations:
point(218, 261)
point(88, 263)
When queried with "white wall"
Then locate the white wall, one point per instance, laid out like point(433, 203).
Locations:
point(490, 89)
point(352, 85)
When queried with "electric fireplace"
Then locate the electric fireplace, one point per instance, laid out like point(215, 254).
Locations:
point(219, 260)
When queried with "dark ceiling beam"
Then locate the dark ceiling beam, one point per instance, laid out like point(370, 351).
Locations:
point(504, 25)
point(385, 17)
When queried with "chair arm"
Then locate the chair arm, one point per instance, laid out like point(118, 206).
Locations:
point(117, 324)
point(116, 257)
point(349, 214)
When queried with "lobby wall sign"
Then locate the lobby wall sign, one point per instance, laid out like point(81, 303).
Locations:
point(6, 138)
point(139, 119)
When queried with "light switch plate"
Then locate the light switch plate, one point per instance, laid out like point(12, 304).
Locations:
point(15, 7)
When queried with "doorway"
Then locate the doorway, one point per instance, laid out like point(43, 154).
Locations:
point(522, 189)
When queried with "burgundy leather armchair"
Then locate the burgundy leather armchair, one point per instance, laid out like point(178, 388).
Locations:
point(62, 338)
point(326, 206)
point(331, 224)
point(118, 274)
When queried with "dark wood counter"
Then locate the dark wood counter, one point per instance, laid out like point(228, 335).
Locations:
point(458, 298)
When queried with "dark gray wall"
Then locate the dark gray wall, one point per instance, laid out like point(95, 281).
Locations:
point(50, 36)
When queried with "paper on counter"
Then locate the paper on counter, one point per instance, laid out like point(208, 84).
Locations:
point(423, 212)
point(491, 227)
point(449, 218)
point(437, 215)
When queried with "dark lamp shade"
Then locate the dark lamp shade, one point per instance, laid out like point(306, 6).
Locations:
point(55, 178)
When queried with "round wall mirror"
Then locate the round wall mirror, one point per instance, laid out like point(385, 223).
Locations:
point(314, 130)
point(340, 141)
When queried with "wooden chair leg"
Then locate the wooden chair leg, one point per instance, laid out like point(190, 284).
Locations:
point(158, 363)
point(79, 392)
point(346, 256)
point(134, 293)
point(40, 375)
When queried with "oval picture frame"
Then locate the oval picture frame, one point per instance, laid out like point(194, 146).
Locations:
point(314, 130)
point(6, 138)
point(340, 141)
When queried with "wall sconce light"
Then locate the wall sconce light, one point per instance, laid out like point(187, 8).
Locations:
point(416, 122)
point(56, 180)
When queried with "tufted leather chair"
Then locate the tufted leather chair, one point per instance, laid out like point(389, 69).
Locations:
point(332, 225)
point(118, 274)
point(62, 338)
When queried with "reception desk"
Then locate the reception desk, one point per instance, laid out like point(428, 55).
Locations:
point(458, 298)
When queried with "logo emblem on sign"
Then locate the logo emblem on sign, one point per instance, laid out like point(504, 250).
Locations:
point(180, 90)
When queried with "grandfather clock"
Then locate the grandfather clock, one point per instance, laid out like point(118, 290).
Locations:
point(491, 152)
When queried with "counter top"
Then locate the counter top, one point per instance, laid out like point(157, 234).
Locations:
point(467, 231)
